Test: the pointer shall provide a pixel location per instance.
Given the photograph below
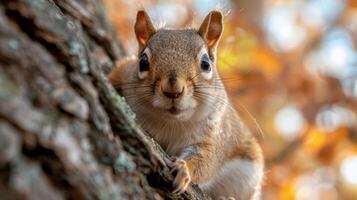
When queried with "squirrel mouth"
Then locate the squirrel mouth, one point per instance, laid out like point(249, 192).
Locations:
point(173, 110)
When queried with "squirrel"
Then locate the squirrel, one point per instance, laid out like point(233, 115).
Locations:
point(174, 87)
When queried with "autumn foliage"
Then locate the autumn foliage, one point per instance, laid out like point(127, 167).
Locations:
point(291, 70)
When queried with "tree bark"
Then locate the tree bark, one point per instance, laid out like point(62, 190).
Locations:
point(64, 131)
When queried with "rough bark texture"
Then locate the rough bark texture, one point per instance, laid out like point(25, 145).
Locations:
point(64, 132)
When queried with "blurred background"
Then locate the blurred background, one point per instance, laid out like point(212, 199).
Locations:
point(290, 67)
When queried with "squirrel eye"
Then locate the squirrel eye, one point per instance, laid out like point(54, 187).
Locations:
point(205, 63)
point(144, 64)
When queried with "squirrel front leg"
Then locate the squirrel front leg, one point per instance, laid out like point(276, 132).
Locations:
point(196, 163)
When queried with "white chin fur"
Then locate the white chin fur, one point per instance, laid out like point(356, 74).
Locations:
point(187, 105)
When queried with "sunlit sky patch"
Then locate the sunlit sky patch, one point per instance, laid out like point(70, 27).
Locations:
point(337, 54)
point(283, 22)
point(279, 22)
point(336, 57)
point(166, 12)
point(321, 13)
point(205, 6)
point(348, 170)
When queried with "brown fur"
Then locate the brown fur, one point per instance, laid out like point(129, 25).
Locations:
point(213, 147)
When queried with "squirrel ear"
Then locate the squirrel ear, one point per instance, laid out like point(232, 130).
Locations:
point(211, 28)
point(144, 28)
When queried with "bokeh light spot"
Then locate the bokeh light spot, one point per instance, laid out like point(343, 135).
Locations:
point(348, 170)
point(332, 117)
point(289, 122)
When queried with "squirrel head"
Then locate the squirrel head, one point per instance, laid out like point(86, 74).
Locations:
point(178, 66)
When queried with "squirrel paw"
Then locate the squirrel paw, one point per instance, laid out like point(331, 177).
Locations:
point(182, 176)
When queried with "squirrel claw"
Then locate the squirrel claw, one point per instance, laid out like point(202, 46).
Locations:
point(182, 177)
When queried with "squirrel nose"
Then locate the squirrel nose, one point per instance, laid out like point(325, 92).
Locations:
point(172, 87)
point(173, 95)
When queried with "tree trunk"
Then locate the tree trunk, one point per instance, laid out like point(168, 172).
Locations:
point(64, 131)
